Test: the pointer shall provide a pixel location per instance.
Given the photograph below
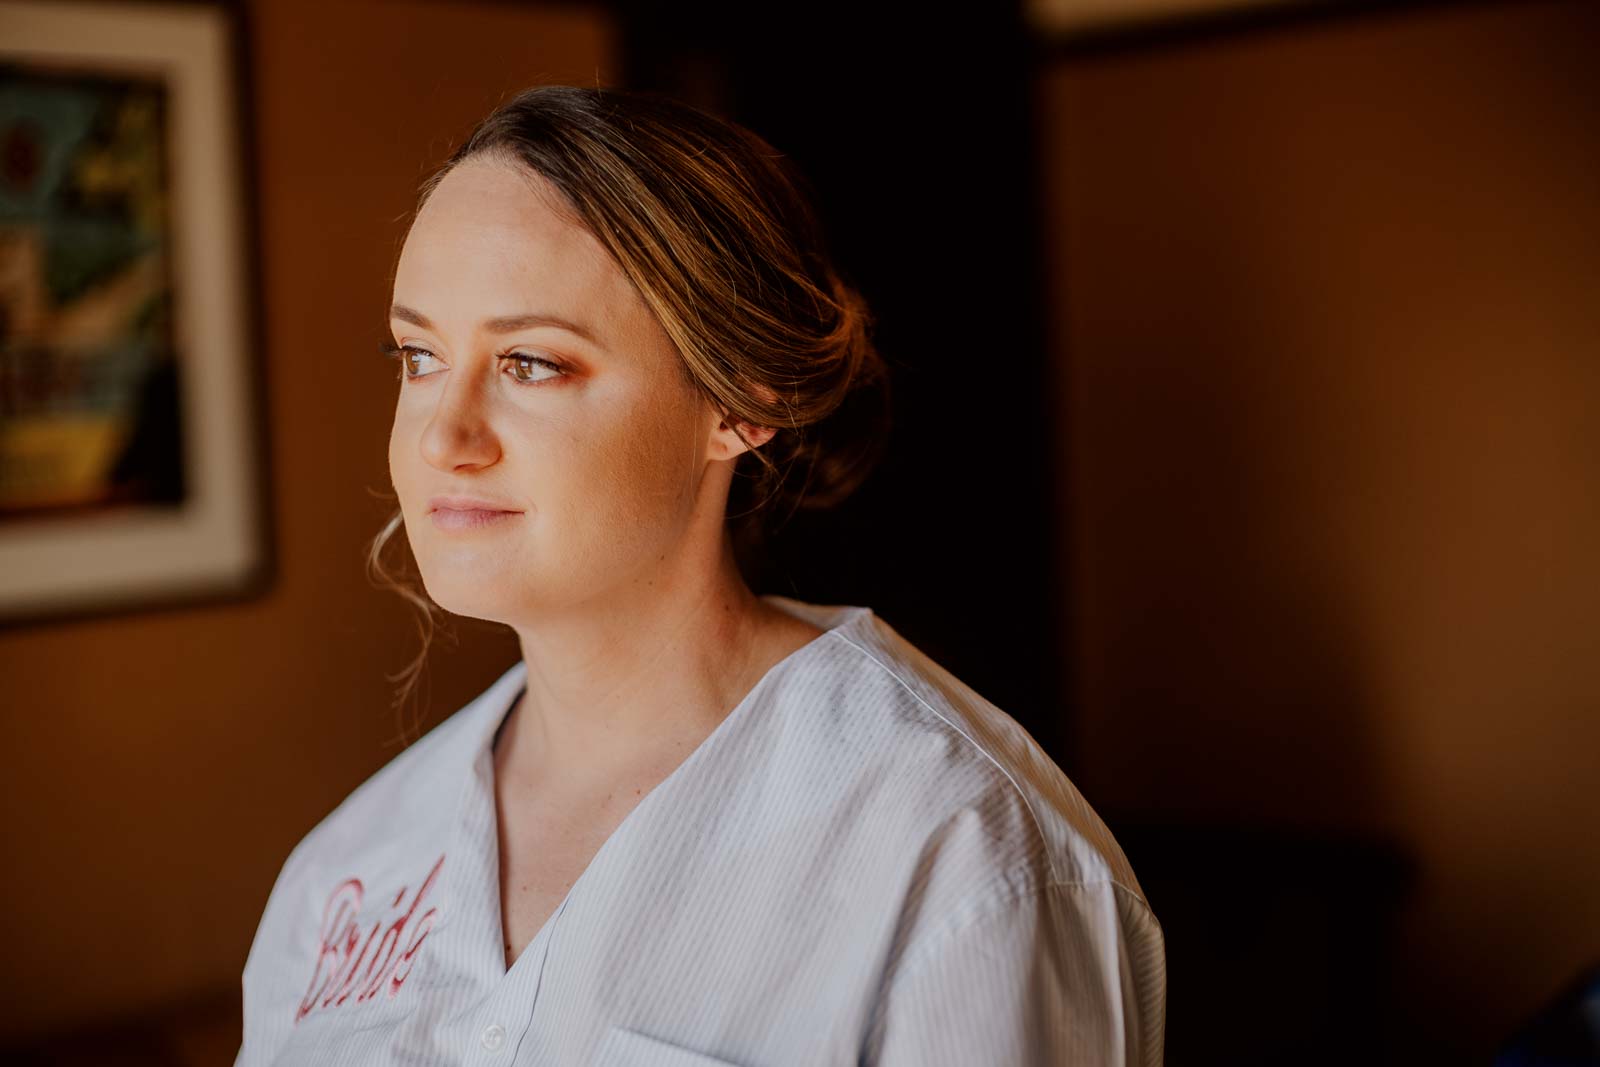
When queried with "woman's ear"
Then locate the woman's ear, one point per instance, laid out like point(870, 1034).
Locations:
point(726, 444)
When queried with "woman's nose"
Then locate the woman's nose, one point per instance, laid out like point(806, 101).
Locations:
point(459, 433)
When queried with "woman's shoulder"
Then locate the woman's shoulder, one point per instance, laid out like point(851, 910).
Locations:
point(965, 775)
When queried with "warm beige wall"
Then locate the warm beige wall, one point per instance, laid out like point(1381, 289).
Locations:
point(158, 768)
point(1328, 304)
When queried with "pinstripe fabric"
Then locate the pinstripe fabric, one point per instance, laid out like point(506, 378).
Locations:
point(865, 863)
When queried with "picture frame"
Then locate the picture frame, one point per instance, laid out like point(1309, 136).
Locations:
point(132, 451)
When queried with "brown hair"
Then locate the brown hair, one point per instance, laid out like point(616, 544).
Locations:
point(716, 231)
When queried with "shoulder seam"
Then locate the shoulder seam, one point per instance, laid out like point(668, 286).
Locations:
point(1038, 828)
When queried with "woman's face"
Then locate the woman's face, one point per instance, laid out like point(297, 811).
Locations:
point(599, 452)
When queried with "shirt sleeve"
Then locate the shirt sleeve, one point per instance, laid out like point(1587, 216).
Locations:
point(1063, 974)
point(263, 976)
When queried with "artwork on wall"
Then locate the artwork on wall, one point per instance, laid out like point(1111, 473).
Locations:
point(130, 430)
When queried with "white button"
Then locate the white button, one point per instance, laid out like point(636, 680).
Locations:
point(494, 1036)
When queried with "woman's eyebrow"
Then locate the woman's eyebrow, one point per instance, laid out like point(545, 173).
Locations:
point(502, 323)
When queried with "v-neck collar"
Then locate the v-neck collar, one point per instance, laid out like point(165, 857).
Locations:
point(486, 714)
point(475, 878)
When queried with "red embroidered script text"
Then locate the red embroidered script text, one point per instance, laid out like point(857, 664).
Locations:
point(349, 966)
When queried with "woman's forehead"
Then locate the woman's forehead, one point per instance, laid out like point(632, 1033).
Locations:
point(492, 209)
point(489, 241)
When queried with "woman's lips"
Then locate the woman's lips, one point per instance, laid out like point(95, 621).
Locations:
point(468, 519)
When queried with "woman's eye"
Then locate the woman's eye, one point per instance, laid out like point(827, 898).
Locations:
point(404, 354)
point(521, 361)
point(407, 352)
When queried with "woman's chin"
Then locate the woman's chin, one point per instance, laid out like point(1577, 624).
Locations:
point(475, 599)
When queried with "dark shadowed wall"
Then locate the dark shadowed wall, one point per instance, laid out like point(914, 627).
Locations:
point(1327, 313)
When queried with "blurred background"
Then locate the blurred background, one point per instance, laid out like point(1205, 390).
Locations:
point(1247, 453)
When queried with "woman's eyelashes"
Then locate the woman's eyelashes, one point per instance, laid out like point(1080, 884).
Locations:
point(408, 355)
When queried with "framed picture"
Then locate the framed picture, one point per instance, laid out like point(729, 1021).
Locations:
point(131, 451)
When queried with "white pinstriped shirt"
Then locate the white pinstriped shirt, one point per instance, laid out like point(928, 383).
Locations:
point(865, 863)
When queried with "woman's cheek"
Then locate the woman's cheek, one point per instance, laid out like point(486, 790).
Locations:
point(627, 503)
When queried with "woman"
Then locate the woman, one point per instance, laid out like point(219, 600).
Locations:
point(692, 825)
